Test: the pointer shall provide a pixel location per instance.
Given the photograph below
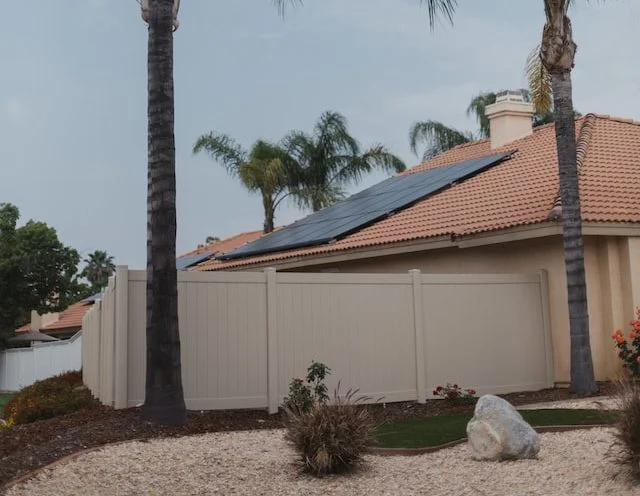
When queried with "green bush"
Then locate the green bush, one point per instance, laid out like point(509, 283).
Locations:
point(48, 398)
point(331, 438)
point(303, 395)
point(628, 426)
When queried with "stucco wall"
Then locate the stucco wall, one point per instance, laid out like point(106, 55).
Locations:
point(613, 281)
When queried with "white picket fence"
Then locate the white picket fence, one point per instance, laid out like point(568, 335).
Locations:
point(22, 367)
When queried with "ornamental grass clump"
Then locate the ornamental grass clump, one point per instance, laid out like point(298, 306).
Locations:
point(331, 437)
point(628, 427)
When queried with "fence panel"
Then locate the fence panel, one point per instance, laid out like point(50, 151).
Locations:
point(359, 325)
point(91, 348)
point(485, 331)
point(107, 343)
point(21, 367)
point(222, 337)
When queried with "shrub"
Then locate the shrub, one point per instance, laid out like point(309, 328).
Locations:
point(630, 352)
point(303, 395)
point(628, 426)
point(48, 398)
point(455, 394)
point(331, 437)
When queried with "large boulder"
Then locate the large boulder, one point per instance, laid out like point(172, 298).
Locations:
point(497, 431)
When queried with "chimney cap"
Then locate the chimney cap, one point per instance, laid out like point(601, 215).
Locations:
point(511, 96)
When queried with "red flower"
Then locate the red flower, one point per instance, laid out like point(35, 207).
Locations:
point(439, 388)
point(455, 386)
point(472, 392)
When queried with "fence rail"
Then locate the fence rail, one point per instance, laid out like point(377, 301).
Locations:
point(244, 336)
point(21, 367)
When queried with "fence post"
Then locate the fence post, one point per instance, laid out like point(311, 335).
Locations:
point(121, 336)
point(418, 326)
point(272, 341)
point(546, 326)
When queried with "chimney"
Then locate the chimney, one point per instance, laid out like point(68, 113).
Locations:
point(40, 321)
point(510, 118)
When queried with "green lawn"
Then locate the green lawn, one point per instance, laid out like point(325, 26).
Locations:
point(432, 431)
point(4, 399)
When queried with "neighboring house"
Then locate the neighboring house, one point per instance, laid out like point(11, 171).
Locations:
point(204, 252)
point(62, 325)
point(503, 219)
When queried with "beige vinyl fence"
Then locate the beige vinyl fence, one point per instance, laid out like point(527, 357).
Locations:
point(244, 336)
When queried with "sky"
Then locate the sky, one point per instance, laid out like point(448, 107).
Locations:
point(73, 102)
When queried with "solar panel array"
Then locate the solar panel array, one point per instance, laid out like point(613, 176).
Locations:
point(365, 207)
point(183, 263)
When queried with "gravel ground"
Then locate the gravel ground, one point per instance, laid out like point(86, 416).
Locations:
point(260, 462)
point(587, 403)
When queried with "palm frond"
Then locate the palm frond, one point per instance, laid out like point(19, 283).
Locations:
point(444, 7)
point(436, 136)
point(379, 157)
point(281, 5)
point(478, 107)
point(539, 83)
point(266, 170)
point(223, 149)
point(332, 135)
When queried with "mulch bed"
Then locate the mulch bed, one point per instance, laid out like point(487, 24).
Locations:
point(24, 448)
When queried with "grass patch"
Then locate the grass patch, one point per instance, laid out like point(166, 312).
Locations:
point(4, 399)
point(433, 431)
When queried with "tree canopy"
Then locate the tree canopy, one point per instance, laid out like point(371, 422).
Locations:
point(313, 170)
point(99, 267)
point(37, 271)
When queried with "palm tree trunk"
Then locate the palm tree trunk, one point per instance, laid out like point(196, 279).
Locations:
point(582, 375)
point(269, 214)
point(164, 398)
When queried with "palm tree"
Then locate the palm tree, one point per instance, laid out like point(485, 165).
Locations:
point(164, 396)
point(99, 267)
point(437, 137)
point(266, 169)
point(211, 239)
point(330, 159)
point(557, 55)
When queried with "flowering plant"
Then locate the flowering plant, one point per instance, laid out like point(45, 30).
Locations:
point(630, 350)
point(455, 393)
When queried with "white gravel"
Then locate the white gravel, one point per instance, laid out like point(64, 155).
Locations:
point(260, 463)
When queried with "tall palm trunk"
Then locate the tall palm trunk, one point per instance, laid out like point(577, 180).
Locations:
point(557, 54)
point(164, 398)
point(269, 213)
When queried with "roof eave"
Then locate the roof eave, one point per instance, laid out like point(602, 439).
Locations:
point(505, 235)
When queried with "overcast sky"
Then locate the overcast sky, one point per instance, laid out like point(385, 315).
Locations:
point(73, 95)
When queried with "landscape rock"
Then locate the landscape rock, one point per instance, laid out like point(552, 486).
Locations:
point(497, 432)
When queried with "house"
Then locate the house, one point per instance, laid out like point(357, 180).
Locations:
point(506, 217)
point(62, 325)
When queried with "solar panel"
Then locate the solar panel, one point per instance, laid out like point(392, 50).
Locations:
point(365, 207)
point(183, 263)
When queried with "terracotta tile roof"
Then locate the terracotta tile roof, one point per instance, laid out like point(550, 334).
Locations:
point(225, 245)
point(70, 318)
point(516, 192)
